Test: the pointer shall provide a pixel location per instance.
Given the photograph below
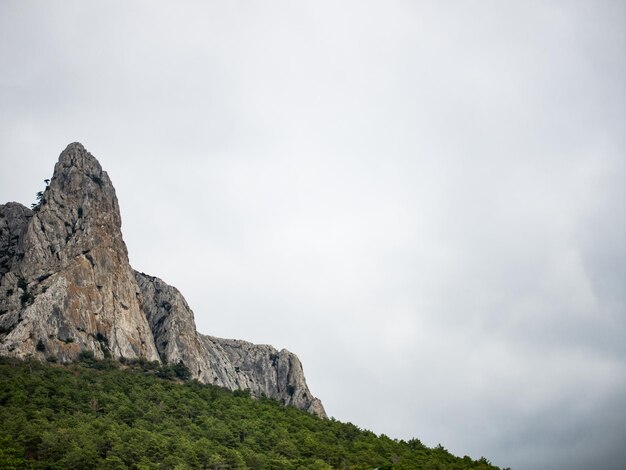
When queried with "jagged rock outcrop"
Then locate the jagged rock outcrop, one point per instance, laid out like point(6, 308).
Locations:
point(264, 370)
point(66, 286)
point(233, 364)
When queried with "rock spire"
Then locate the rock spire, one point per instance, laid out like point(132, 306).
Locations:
point(66, 286)
point(69, 285)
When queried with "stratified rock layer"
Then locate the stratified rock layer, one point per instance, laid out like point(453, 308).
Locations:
point(66, 286)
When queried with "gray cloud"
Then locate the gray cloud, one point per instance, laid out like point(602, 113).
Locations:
point(424, 201)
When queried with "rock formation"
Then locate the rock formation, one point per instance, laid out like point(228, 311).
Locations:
point(66, 286)
point(233, 364)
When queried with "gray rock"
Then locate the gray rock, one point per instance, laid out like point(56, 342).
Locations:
point(13, 219)
point(67, 283)
point(66, 286)
point(173, 326)
point(233, 364)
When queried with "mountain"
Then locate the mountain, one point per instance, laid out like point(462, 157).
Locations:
point(66, 286)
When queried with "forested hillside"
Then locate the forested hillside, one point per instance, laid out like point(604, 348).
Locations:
point(100, 414)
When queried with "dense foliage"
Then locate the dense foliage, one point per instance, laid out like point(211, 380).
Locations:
point(101, 415)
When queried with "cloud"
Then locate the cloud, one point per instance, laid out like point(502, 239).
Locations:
point(424, 202)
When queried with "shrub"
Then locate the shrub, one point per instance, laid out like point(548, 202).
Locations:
point(27, 299)
point(87, 357)
point(182, 371)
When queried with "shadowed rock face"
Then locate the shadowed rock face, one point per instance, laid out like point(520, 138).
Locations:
point(66, 285)
point(13, 219)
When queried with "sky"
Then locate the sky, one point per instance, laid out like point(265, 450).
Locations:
point(424, 200)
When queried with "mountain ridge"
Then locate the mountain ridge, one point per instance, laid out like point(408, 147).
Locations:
point(66, 286)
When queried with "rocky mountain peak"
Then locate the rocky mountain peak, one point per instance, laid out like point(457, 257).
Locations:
point(66, 286)
point(75, 156)
point(79, 178)
point(77, 212)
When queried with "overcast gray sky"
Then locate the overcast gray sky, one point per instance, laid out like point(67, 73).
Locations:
point(423, 200)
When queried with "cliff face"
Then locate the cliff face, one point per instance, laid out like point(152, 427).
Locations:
point(66, 286)
point(233, 364)
point(264, 370)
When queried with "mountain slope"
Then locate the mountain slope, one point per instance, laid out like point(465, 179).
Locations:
point(66, 286)
point(89, 415)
